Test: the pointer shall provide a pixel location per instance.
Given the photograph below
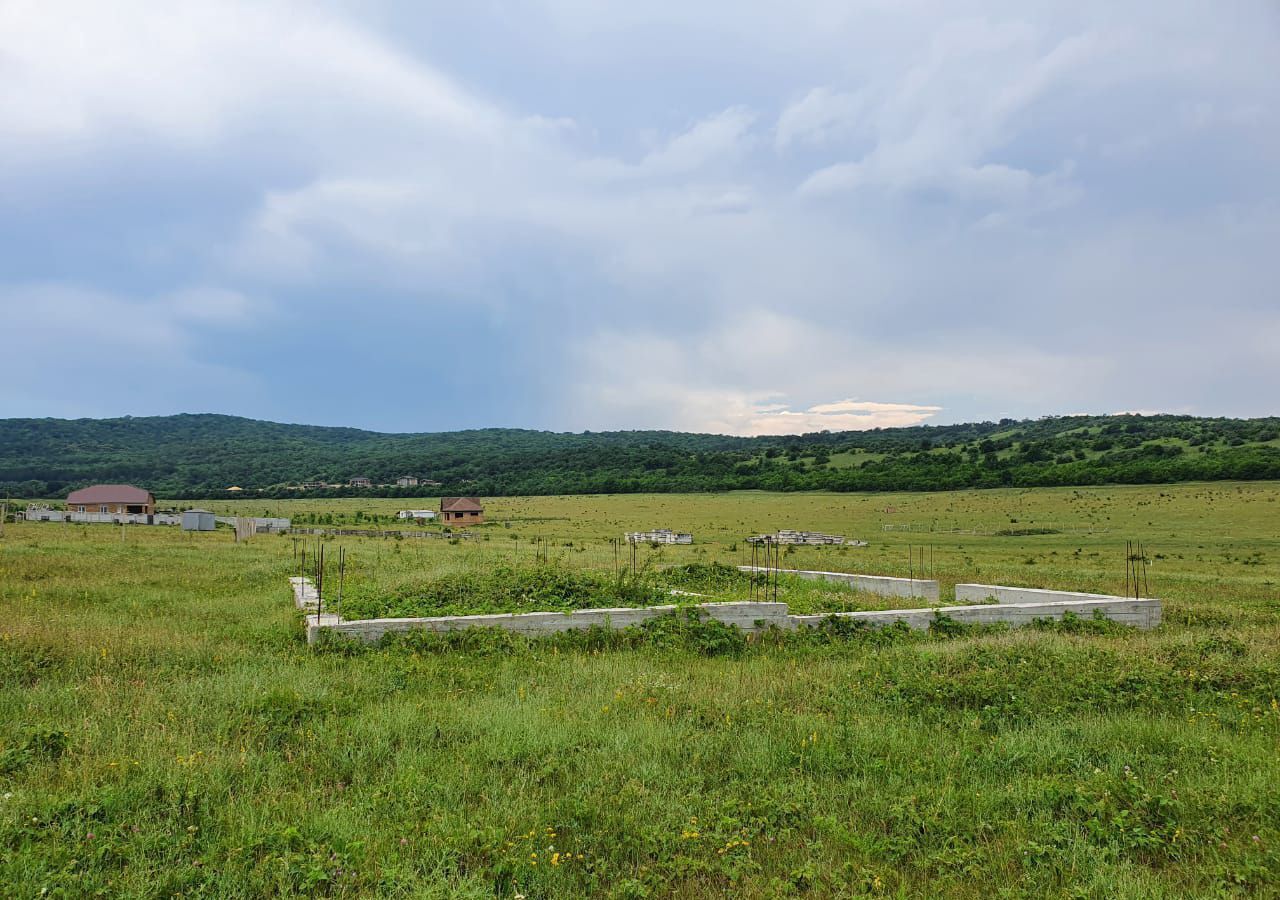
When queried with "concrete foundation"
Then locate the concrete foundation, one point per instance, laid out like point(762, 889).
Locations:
point(747, 616)
point(981, 593)
point(1139, 613)
point(880, 585)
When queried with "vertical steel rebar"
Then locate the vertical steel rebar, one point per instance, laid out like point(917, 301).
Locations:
point(342, 576)
point(319, 582)
point(751, 575)
point(777, 571)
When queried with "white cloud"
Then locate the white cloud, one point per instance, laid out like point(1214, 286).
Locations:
point(844, 415)
point(712, 139)
point(939, 125)
point(744, 374)
point(192, 72)
point(721, 139)
point(819, 117)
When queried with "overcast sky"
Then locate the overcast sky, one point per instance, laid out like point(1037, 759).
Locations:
point(715, 216)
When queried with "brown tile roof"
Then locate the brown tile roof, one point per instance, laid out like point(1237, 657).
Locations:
point(461, 504)
point(110, 493)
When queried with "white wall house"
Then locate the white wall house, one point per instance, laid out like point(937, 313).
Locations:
point(421, 515)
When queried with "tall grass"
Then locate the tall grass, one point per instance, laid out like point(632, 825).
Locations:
point(165, 731)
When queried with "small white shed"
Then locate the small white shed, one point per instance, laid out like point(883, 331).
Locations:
point(198, 520)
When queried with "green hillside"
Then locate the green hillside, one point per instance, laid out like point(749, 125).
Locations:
point(189, 456)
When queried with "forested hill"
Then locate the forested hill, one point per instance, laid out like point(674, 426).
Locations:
point(195, 456)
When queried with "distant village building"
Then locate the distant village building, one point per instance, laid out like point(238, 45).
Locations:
point(312, 485)
point(418, 515)
point(234, 489)
point(659, 536)
point(407, 481)
point(361, 482)
point(109, 499)
point(787, 536)
point(461, 511)
point(270, 524)
point(42, 513)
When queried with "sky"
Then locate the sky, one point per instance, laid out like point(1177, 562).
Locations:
point(731, 217)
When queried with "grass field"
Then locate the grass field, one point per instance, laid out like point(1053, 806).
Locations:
point(165, 731)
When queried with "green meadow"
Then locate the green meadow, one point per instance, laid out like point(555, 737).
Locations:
point(165, 730)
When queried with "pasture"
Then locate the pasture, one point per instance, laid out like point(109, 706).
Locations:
point(165, 731)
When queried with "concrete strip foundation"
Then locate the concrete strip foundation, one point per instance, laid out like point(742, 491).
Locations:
point(747, 616)
point(304, 593)
point(880, 585)
point(1139, 613)
point(981, 593)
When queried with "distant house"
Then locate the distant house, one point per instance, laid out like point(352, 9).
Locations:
point(312, 485)
point(461, 510)
point(111, 499)
point(418, 515)
point(407, 481)
point(234, 489)
point(360, 481)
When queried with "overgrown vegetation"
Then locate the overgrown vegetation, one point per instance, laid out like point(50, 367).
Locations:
point(164, 730)
point(502, 589)
point(198, 456)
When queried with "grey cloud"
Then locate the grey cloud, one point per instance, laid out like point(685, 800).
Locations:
point(735, 215)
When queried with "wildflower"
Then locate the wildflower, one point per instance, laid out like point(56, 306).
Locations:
point(404, 842)
point(555, 859)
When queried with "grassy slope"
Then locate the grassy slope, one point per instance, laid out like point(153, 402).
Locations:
point(209, 752)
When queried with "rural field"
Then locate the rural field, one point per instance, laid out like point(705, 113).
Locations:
point(166, 731)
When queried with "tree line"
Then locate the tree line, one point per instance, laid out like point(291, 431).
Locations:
point(200, 456)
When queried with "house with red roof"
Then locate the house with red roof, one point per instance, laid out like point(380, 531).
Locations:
point(112, 499)
point(461, 511)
